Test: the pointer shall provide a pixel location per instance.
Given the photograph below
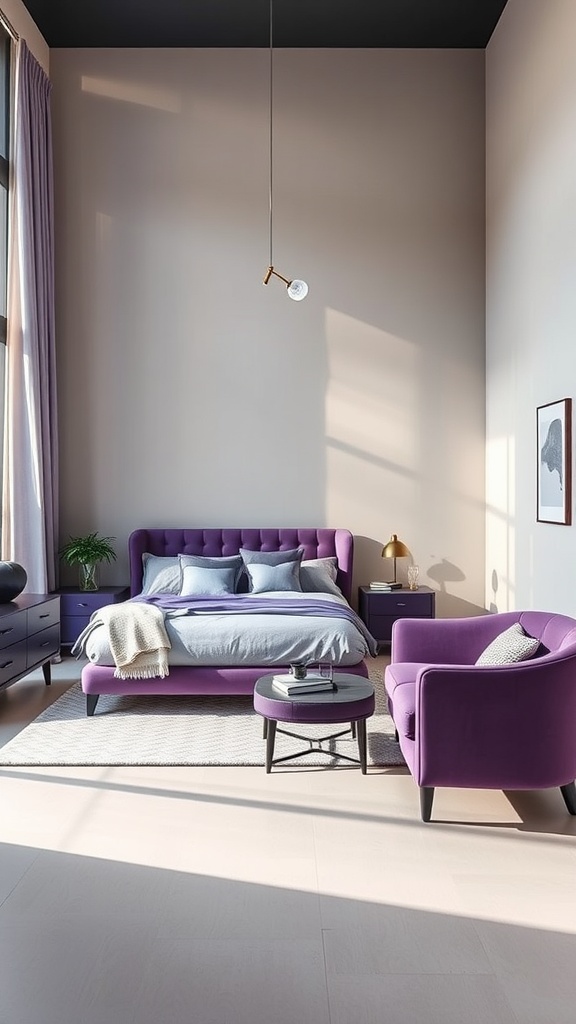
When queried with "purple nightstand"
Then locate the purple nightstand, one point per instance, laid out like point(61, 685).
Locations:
point(76, 607)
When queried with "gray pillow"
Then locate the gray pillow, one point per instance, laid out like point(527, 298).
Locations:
point(318, 576)
point(271, 557)
point(509, 647)
point(161, 574)
point(214, 562)
point(268, 558)
point(205, 581)
point(265, 578)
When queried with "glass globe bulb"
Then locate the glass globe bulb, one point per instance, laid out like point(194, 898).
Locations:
point(298, 290)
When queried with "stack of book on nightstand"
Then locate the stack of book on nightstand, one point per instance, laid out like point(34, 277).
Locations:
point(287, 685)
point(379, 585)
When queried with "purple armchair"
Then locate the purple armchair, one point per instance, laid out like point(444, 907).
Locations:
point(463, 725)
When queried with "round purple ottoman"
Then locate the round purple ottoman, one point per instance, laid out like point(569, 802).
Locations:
point(352, 700)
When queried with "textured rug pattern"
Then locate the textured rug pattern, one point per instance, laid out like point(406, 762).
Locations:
point(183, 731)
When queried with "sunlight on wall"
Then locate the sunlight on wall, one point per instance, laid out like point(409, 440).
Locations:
point(130, 92)
point(500, 523)
point(372, 424)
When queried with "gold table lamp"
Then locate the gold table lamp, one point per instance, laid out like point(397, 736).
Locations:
point(395, 549)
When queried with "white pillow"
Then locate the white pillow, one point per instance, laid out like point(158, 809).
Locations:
point(318, 576)
point(509, 647)
point(161, 574)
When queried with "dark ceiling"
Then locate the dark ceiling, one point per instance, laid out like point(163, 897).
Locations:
point(300, 23)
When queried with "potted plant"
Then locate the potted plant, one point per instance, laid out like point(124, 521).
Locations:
point(87, 553)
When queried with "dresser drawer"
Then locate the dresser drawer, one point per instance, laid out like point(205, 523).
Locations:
point(43, 644)
point(43, 615)
point(13, 628)
point(12, 662)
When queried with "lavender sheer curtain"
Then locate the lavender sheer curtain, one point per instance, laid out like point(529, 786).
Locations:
point(30, 474)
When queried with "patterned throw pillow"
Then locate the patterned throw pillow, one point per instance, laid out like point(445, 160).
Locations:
point(509, 647)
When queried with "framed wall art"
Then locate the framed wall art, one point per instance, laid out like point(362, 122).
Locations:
point(554, 455)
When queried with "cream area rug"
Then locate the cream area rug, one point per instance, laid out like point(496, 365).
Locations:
point(186, 731)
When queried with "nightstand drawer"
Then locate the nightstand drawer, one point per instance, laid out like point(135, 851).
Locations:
point(380, 609)
point(381, 625)
point(84, 603)
point(412, 604)
point(71, 626)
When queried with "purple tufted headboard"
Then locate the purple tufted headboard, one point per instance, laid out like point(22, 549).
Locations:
point(316, 543)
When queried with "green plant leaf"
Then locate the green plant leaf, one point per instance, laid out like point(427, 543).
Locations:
point(88, 550)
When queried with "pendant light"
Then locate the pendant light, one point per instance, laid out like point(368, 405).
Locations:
point(296, 289)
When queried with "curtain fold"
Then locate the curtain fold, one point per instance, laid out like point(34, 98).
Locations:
point(30, 474)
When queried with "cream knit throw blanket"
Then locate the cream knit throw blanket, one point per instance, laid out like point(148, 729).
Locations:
point(137, 637)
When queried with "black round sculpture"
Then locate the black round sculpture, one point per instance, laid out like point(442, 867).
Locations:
point(13, 579)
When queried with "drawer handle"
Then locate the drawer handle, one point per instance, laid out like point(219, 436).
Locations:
point(9, 630)
point(6, 663)
point(401, 604)
point(47, 643)
point(45, 615)
point(82, 604)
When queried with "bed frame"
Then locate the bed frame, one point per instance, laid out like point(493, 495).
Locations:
point(198, 679)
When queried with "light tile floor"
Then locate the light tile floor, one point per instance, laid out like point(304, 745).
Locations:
point(308, 896)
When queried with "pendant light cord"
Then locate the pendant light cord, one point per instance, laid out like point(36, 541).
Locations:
point(270, 155)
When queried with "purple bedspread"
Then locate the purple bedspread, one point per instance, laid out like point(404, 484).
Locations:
point(243, 604)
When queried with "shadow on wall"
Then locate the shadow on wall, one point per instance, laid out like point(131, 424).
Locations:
point(369, 565)
point(494, 601)
point(448, 606)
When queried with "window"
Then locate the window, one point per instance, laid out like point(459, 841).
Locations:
point(5, 50)
point(5, 44)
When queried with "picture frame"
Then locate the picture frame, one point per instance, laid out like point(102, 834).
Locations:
point(554, 462)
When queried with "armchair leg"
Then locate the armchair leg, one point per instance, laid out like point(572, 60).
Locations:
point(426, 799)
point(569, 793)
point(91, 702)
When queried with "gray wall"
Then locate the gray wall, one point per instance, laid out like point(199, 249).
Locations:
point(189, 393)
point(531, 314)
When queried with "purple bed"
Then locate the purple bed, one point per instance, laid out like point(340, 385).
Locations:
point(233, 679)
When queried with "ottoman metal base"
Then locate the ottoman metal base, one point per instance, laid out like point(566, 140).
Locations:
point(271, 728)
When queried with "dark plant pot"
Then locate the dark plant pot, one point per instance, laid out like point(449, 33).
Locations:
point(13, 579)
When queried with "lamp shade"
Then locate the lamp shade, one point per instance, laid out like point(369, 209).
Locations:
point(395, 548)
